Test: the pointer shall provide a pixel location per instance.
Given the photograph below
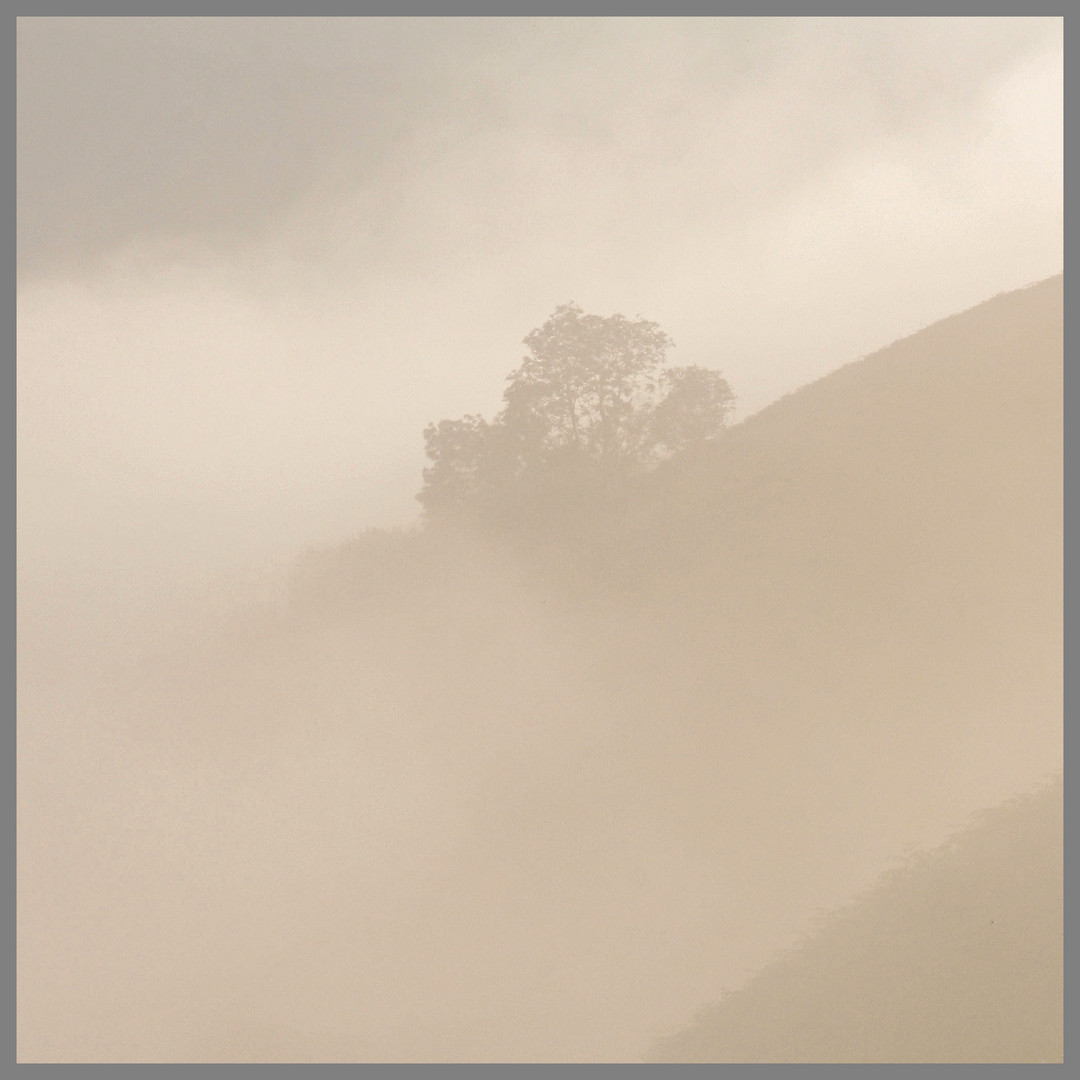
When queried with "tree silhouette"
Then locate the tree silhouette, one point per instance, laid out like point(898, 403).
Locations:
point(585, 387)
point(459, 452)
point(588, 405)
point(694, 409)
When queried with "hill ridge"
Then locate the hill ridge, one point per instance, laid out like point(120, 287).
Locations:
point(995, 889)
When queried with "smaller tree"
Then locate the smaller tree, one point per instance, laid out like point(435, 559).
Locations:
point(459, 452)
point(693, 410)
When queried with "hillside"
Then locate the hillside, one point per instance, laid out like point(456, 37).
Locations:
point(956, 956)
point(513, 798)
point(878, 557)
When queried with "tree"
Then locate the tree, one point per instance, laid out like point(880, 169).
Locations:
point(586, 387)
point(589, 404)
point(694, 409)
point(458, 451)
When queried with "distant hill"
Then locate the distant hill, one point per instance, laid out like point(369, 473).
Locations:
point(957, 956)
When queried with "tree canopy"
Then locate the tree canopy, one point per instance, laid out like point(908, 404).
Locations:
point(591, 398)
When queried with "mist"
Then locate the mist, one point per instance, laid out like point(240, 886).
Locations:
point(271, 390)
point(256, 258)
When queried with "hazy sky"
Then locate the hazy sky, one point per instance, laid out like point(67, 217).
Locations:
point(258, 256)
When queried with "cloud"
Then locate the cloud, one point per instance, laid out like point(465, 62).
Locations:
point(134, 127)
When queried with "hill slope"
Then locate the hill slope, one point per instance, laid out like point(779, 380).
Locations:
point(957, 956)
point(871, 570)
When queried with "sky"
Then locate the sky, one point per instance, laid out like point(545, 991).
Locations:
point(256, 257)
